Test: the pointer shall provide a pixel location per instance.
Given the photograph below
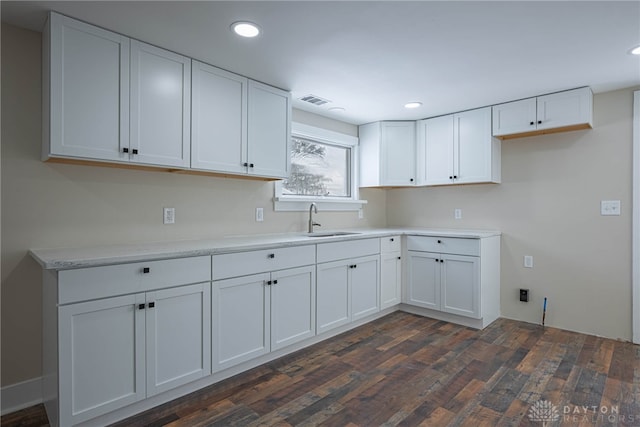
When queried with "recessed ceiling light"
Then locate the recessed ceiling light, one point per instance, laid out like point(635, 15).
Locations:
point(413, 104)
point(635, 50)
point(337, 109)
point(245, 29)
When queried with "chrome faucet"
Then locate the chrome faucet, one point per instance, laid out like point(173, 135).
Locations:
point(312, 223)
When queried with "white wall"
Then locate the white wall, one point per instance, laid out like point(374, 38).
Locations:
point(57, 205)
point(548, 206)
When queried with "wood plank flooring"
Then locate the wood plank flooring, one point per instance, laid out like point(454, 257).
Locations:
point(407, 370)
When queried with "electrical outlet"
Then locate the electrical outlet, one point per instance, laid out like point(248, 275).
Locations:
point(524, 295)
point(528, 261)
point(457, 213)
point(360, 213)
point(169, 215)
point(259, 214)
point(610, 207)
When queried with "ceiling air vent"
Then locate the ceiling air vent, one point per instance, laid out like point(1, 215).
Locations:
point(315, 100)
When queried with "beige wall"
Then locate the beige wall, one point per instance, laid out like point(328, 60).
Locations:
point(49, 205)
point(548, 206)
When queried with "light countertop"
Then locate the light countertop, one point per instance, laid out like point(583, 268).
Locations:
point(81, 257)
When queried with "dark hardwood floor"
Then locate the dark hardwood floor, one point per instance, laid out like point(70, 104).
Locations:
point(411, 371)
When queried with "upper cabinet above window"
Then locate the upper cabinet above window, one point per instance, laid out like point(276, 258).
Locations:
point(556, 112)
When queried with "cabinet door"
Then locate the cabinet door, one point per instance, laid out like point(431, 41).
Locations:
point(269, 132)
point(398, 153)
point(423, 287)
point(333, 299)
point(293, 306)
point(160, 106)
point(390, 279)
point(568, 108)
point(438, 150)
point(461, 285)
point(88, 109)
point(473, 148)
point(241, 320)
point(178, 336)
point(514, 117)
point(365, 288)
point(101, 356)
point(218, 119)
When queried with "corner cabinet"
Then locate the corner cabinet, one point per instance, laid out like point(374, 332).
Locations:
point(239, 126)
point(113, 347)
point(557, 112)
point(458, 149)
point(458, 278)
point(387, 154)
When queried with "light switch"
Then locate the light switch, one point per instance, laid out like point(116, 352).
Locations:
point(528, 261)
point(610, 207)
point(169, 215)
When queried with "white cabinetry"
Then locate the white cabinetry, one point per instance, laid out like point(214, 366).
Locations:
point(268, 309)
point(458, 149)
point(556, 112)
point(85, 91)
point(239, 126)
point(348, 282)
point(387, 154)
point(160, 131)
point(456, 276)
point(390, 271)
point(218, 120)
point(113, 350)
point(269, 131)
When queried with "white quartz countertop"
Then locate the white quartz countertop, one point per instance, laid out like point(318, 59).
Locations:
point(82, 257)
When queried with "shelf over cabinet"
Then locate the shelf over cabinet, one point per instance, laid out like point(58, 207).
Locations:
point(556, 112)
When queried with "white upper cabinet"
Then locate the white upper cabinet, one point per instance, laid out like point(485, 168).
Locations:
point(458, 149)
point(86, 91)
point(269, 131)
point(218, 119)
point(387, 154)
point(114, 99)
point(160, 106)
point(556, 112)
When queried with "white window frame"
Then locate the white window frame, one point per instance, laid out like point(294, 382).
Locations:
point(301, 203)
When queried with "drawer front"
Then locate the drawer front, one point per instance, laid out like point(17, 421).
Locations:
point(446, 245)
point(348, 249)
point(390, 244)
point(252, 262)
point(111, 280)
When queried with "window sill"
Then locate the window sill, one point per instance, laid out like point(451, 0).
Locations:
point(300, 204)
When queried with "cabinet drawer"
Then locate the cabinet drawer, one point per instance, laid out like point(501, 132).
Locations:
point(348, 249)
point(111, 280)
point(447, 245)
point(390, 244)
point(252, 262)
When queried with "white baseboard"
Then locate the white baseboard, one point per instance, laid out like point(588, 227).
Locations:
point(21, 395)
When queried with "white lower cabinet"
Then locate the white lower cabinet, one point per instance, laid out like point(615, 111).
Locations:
point(444, 282)
point(456, 276)
point(116, 351)
point(390, 271)
point(262, 312)
point(348, 287)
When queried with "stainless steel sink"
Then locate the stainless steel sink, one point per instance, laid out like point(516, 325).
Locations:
point(332, 234)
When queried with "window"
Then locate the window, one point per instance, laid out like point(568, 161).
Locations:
point(323, 170)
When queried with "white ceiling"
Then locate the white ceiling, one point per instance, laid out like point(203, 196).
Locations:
point(371, 57)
